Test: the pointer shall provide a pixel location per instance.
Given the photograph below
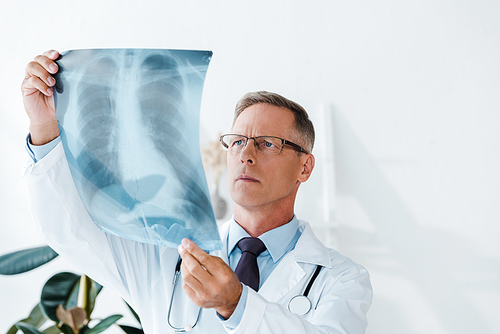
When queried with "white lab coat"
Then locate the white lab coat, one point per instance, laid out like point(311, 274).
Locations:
point(142, 274)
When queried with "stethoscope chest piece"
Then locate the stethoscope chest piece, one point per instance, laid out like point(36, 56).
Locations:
point(299, 305)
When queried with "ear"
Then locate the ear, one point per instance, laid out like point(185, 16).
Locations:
point(307, 167)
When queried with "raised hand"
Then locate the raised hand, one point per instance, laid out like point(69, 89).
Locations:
point(208, 281)
point(38, 97)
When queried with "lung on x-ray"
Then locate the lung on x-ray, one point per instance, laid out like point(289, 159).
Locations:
point(129, 123)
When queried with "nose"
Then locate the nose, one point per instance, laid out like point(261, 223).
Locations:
point(248, 154)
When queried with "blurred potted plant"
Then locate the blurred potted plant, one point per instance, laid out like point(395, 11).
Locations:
point(66, 302)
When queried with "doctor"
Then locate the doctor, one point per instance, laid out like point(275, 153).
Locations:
point(268, 158)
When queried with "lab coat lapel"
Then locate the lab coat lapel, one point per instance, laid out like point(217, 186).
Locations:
point(284, 277)
point(289, 273)
point(310, 250)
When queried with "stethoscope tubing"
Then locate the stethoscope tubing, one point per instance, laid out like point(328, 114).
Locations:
point(174, 329)
point(311, 281)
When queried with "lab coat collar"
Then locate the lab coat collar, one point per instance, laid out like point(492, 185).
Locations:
point(288, 273)
point(309, 249)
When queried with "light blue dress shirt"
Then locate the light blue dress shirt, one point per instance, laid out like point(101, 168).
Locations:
point(38, 152)
point(278, 241)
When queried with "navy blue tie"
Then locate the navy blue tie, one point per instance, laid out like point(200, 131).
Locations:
point(247, 269)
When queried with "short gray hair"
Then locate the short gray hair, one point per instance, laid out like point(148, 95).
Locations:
point(303, 124)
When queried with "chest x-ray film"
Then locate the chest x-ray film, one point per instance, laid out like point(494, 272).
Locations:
point(129, 123)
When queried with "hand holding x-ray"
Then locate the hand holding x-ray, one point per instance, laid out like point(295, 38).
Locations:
point(38, 97)
point(128, 120)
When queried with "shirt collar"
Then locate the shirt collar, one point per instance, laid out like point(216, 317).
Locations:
point(278, 241)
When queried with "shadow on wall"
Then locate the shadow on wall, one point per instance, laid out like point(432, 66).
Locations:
point(441, 268)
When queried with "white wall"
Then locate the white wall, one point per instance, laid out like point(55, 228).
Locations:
point(414, 88)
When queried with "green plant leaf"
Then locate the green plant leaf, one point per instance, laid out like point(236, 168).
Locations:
point(134, 313)
point(52, 330)
point(12, 330)
point(73, 298)
point(27, 328)
point(36, 318)
point(94, 292)
point(56, 291)
point(25, 260)
point(66, 329)
point(131, 330)
point(103, 325)
point(83, 330)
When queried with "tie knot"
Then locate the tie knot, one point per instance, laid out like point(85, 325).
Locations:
point(252, 245)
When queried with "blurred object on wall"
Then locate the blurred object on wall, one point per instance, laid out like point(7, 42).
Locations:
point(214, 159)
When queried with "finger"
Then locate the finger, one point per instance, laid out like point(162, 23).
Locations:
point(189, 279)
point(199, 254)
point(35, 70)
point(194, 286)
point(196, 295)
point(33, 85)
point(48, 64)
point(51, 54)
point(193, 267)
point(190, 292)
point(38, 78)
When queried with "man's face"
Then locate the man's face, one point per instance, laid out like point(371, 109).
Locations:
point(257, 179)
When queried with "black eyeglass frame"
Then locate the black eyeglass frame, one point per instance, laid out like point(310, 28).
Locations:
point(283, 142)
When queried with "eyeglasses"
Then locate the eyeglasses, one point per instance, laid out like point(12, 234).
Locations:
point(266, 144)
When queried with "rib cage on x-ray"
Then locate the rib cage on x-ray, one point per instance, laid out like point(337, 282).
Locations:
point(129, 124)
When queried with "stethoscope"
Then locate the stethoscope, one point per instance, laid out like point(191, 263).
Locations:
point(174, 329)
point(299, 304)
